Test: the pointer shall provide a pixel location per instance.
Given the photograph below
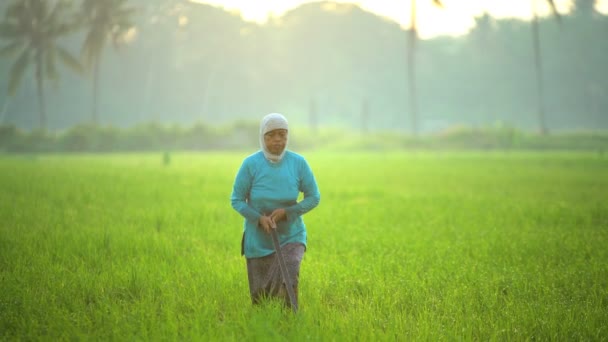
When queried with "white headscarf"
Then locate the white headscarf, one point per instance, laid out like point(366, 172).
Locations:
point(269, 123)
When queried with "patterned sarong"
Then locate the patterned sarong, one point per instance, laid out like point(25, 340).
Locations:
point(264, 274)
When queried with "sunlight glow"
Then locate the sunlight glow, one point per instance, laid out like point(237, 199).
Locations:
point(129, 36)
point(182, 21)
point(602, 7)
point(455, 18)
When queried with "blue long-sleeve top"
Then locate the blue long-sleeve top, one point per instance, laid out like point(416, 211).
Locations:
point(261, 187)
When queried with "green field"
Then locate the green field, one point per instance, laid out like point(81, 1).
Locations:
point(404, 246)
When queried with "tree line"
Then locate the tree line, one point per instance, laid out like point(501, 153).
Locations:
point(242, 136)
point(322, 64)
point(34, 29)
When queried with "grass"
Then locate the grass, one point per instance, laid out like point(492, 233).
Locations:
point(404, 246)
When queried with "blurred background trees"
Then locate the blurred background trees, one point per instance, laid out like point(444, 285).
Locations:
point(324, 64)
point(104, 21)
point(32, 29)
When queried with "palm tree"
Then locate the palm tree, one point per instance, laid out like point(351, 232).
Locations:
point(411, 64)
point(32, 29)
point(538, 67)
point(106, 20)
point(413, 37)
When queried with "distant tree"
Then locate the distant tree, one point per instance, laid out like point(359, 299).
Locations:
point(365, 115)
point(106, 20)
point(313, 116)
point(585, 7)
point(411, 65)
point(538, 66)
point(32, 29)
point(157, 27)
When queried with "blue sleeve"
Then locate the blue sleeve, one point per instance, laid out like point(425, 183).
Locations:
point(240, 193)
point(308, 186)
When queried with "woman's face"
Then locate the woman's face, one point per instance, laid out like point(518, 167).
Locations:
point(276, 140)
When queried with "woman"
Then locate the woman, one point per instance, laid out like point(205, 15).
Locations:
point(265, 193)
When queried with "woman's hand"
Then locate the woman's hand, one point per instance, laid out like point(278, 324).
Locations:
point(267, 223)
point(278, 215)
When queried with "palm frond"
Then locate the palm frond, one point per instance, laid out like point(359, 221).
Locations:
point(11, 49)
point(128, 12)
point(40, 9)
point(438, 3)
point(554, 10)
point(60, 21)
point(69, 60)
point(88, 6)
point(16, 11)
point(9, 30)
point(93, 46)
point(123, 25)
point(54, 16)
point(51, 68)
point(17, 71)
point(13, 10)
point(108, 20)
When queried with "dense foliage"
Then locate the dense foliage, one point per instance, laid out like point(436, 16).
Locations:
point(243, 136)
point(330, 64)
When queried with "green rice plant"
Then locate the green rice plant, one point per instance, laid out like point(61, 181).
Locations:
point(404, 246)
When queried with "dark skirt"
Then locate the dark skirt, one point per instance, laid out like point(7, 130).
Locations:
point(264, 274)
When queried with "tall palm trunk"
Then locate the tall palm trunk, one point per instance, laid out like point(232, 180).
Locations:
point(206, 96)
point(96, 67)
point(4, 109)
point(365, 116)
point(313, 116)
point(40, 90)
point(413, 36)
point(145, 108)
point(538, 67)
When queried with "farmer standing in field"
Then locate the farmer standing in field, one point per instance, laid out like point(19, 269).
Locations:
point(265, 193)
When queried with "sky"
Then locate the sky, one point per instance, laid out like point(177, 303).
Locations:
point(455, 18)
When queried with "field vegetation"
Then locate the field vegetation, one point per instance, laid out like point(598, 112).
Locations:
point(152, 137)
point(419, 245)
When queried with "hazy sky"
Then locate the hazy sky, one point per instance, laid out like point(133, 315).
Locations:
point(455, 18)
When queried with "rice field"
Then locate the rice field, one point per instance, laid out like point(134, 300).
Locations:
point(403, 246)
